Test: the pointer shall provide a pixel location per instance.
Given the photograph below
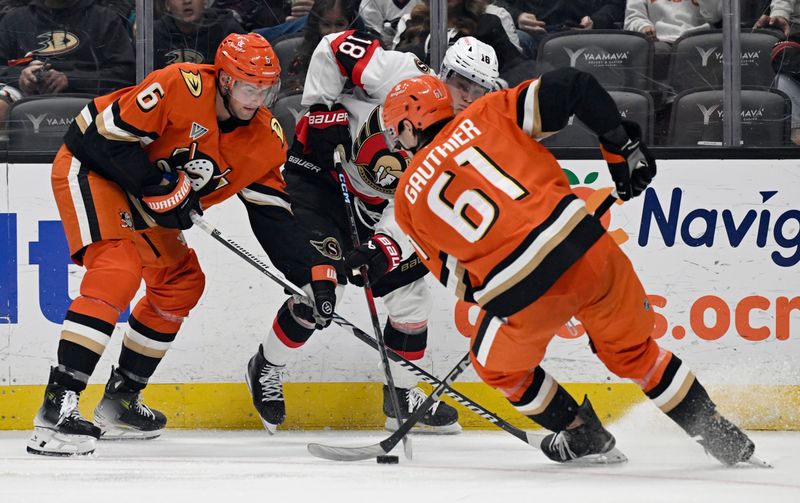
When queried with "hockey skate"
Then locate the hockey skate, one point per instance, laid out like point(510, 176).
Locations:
point(441, 419)
point(589, 443)
point(121, 414)
point(58, 428)
point(727, 442)
point(266, 387)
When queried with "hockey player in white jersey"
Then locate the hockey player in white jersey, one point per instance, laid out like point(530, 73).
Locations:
point(353, 119)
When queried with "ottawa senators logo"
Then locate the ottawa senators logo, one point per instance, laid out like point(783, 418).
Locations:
point(378, 167)
point(328, 247)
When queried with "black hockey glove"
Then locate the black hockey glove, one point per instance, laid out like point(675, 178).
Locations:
point(171, 204)
point(323, 291)
point(321, 130)
point(298, 161)
point(631, 164)
point(380, 254)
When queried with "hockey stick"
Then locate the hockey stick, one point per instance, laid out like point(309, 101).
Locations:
point(373, 311)
point(385, 446)
point(363, 336)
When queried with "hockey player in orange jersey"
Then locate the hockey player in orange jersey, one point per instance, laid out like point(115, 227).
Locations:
point(134, 165)
point(491, 214)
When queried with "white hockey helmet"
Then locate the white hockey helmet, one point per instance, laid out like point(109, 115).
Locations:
point(472, 59)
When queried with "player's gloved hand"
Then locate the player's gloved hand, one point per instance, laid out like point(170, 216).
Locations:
point(631, 164)
point(380, 254)
point(319, 308)
point(171, 203)
point(297, 160)
point(321, 130)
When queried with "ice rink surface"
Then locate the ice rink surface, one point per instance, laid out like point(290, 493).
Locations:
point(486, 467)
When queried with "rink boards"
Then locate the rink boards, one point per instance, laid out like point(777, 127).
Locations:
point(716, 244)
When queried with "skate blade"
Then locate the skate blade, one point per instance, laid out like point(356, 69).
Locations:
point(272, 429)
point(49, 442)
point(612, 457)
point(113, 434)
point(758, 462)
point(424, 429)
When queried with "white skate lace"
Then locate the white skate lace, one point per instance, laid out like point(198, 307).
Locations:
point(270, 381)
point(560, 443)
point(416, 397)
point(140, 408)
point(69, 407)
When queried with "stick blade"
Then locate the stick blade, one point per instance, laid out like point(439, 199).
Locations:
point(334, 453)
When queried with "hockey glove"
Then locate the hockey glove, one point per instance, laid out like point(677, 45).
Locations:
point(380, 254)
point(321, 130)
point(170, 204)
point(785, 57)
point(323, 296)
point(298, 161)
point(631, 165)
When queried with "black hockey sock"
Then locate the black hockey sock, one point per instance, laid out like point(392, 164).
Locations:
point(559, 413)
point(694, 411)
point(410, 346)
point(289, 330)
point(137, 361)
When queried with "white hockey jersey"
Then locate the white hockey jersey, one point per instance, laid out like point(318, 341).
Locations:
point(372, 170)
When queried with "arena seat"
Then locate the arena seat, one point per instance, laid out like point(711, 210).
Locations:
point(285, 49)
point(36, 125)
point(633, 104)
point(696, 59)
point(287, 109)
point(697, 118)
point(616, 58)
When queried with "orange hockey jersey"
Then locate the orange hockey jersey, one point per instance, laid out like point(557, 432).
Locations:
point(168, 122)
point(489, 209)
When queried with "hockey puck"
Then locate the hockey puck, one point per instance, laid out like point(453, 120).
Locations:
point(387, 460)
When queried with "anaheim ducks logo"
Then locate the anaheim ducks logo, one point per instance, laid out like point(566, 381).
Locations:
point(201, 169)
point(57, 42)
point(277, 129)
point(378, 167)
point(193, 82)
point(184, 56)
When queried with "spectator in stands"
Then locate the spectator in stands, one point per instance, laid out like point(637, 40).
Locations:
point(536, 18)
point(383, 18)
point(325, 17)
point(786, 63)
point(62, 46)
point(125, 8)
point(664, 21)
point(7, 5)
point(464, 17)
point(784, 15)
point(667, 20)
point(190, 33)
point(253, 14)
